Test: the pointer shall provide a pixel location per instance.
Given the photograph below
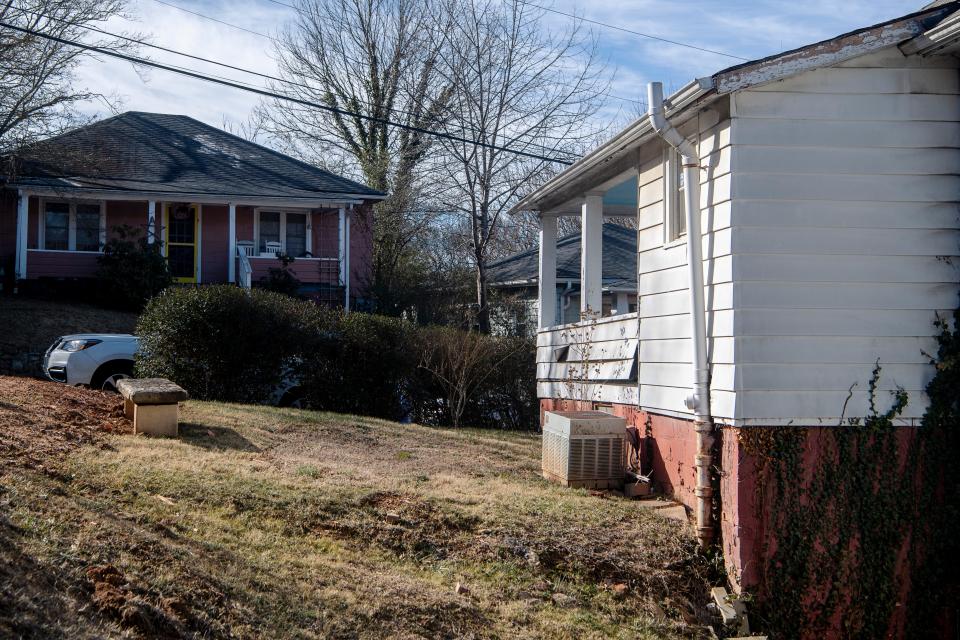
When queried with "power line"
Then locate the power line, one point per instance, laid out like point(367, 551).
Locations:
point(284, 4)
point(271, 94)
point(631, 31)
point(226, 65)
point(227, 24)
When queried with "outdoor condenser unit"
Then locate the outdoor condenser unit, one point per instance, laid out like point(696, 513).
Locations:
point(584, 448)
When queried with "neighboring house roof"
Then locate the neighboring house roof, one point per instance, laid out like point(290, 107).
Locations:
point(916, 31)
point(173, 155)
point(619, 261)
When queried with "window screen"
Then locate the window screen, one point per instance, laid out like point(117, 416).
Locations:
point(296, 234)
point(269, 229)
point(88, 227)
point(56, 226)
point(679, 212)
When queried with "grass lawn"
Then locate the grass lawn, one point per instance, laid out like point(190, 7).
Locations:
point(278, 523)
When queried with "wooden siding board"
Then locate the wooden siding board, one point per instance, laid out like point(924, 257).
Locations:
point(856, 160)
point(845, 228)
point(869, 80)
point(800, 267)
point(841, 134)
point(857, 215)
point(858, 107)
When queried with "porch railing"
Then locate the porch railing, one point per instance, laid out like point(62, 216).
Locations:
point(246, 270)
point(593, 360)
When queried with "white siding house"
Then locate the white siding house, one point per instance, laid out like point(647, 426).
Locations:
point(829, 226)
point(829, 195)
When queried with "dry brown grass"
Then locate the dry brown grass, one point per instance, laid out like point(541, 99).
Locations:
point(263, 522)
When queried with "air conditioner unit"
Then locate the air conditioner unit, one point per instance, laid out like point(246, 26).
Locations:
point(584, 448)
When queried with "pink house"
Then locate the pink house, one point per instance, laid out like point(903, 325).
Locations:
point(223, 208)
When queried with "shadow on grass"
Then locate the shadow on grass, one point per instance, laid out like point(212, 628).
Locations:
point(215, 438)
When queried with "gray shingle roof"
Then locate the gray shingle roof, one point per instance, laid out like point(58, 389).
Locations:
point(154, 152)
point(619, 260)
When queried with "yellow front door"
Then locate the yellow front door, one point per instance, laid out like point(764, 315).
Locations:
point(181, 241)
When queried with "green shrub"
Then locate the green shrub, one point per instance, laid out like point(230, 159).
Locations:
point(225, 343)
point(364, 366)
point(281, 279)
point(131, 270)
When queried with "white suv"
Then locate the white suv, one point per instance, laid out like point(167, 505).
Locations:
point(97, 360)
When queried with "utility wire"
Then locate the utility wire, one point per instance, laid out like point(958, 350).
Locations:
point(623, 29)
point(225, 65)
point(598, 23)
point(279, 96)
point(227, 24)
point(276, 40)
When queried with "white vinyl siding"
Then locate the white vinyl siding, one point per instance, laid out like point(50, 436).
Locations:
point(664, 302)
point(845, 233)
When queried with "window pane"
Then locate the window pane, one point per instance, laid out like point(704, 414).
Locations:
point(181, 220)
point(269, 229)
point(180, 259)
point(56, 226)
point(88, 227)
point(296, 234)
point(680, 223)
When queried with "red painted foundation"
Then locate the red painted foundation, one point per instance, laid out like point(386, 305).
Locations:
point(749, 532)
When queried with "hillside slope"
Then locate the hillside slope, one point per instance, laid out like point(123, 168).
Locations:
point(264, 522)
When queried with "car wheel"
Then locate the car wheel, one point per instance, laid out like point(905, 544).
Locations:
point(107, 377)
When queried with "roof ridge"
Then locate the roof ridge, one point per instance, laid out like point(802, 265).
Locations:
point(276, 153)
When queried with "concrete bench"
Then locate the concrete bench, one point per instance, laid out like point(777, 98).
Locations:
point(152, 404)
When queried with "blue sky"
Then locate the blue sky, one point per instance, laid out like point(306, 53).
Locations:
point(748, 29)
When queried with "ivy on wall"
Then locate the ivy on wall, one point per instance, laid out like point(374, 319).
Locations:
point(873, 500)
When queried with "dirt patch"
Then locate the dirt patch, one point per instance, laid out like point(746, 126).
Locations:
point(405, 524)
point(118, 599)
point(46, 419)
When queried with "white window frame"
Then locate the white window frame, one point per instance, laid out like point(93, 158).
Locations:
point(283, 230)
point(71, 225)
point(672, 198)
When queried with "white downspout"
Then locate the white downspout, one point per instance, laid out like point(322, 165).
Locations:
point(699, 400)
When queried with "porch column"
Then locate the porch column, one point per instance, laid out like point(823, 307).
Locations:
point(341, 234)
point(346, 259)
point(20, 263)
point(622, 304)
point(151, 221)
point(547, 303)
point(591, 258)
point(232, 243)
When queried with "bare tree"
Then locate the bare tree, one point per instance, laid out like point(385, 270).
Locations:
point(519, 86)
point(378, 58)
point(38, 95)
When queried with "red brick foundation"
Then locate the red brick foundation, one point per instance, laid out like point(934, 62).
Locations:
point(748, 531)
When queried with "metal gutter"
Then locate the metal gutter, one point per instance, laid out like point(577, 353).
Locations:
point(623, 141)
point(944, 35)
point(199, 198)
point(934, 22)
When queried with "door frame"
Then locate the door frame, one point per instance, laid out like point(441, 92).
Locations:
point(197, 230)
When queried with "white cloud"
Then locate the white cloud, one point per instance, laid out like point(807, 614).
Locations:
point(751, 29)
point(162, 91)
